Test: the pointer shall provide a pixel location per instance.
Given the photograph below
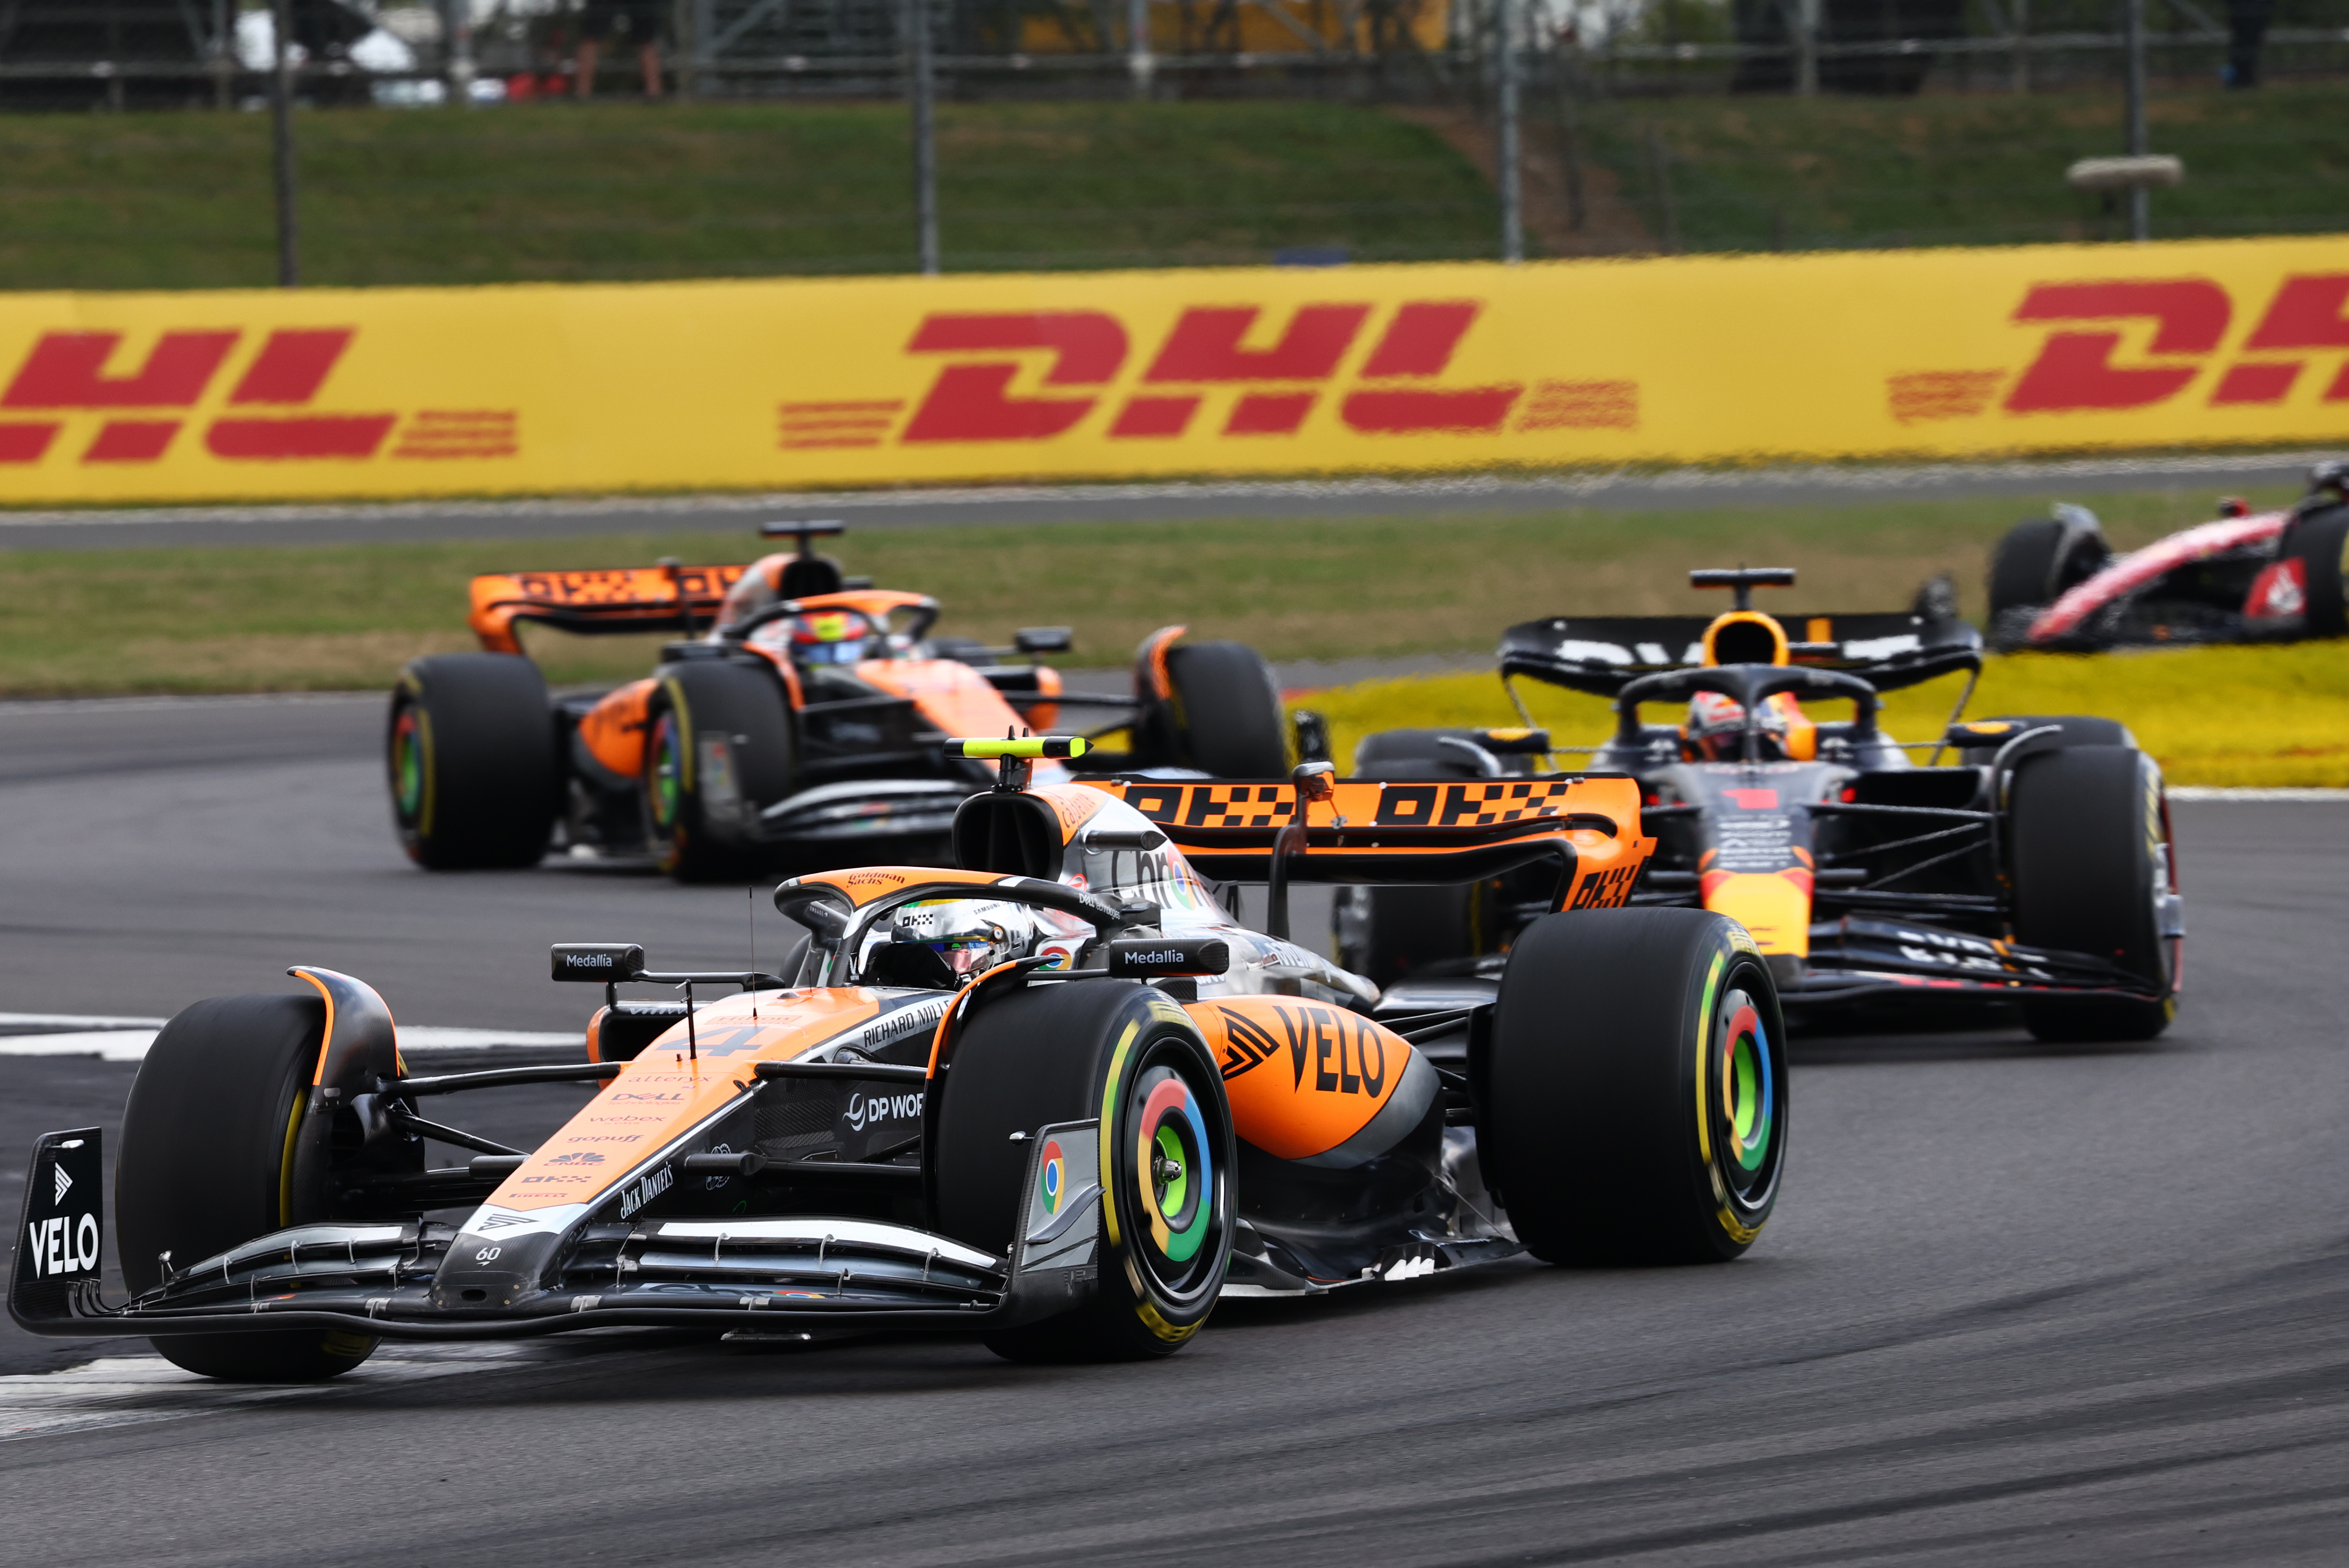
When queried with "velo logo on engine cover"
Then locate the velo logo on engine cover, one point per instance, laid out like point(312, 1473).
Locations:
point(60, 1240)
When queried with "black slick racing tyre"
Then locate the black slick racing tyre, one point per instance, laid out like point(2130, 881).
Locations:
point(2321, 544)
point(718, 747)
point(206, 1162)
point(2041, 559)
point(2088, 836)
point(1225, 711)
point(2065, 730)
point(473, 762)
point(1635, 1100)
point(1163, 1160)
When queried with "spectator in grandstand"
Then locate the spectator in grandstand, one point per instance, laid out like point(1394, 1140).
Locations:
point(636, 21)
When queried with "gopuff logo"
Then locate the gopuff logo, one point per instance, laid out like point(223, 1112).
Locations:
point(267, 415)
point(865, 1111)
point(1233, 371)
point(2117, 345)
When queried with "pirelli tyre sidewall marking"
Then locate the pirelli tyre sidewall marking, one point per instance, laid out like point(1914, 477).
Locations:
point(1172, 1297)
point(1736, 1050)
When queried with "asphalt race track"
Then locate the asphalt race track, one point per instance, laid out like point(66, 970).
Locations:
point(1611, 490)
point(2019, 1304)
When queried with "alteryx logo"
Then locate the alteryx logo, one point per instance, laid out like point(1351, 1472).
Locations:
point(249, 397)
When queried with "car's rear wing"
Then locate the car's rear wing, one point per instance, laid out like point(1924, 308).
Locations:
point(1600, 654)
point(666, 598)
point(1402, 832)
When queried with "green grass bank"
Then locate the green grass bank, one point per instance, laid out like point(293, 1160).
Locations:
point(345, 616)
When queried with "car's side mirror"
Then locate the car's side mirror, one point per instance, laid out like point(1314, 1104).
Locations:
point(600, 963)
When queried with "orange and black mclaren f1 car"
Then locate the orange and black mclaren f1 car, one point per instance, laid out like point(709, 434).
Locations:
point(1061, 1097)
point(797, 722)
point(2028, 862)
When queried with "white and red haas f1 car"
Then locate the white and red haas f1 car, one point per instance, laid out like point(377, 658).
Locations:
point(2266, 576)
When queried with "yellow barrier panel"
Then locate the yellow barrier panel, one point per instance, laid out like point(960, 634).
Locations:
point(803, 383)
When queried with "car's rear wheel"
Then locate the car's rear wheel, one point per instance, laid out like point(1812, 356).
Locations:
point(207, 1160)
point(718, 747)
point(1386, 933)
point(2062, 730)
point(2321, 544)
point(1224, 715)
point(2088, 830)
point(1125, 1054)
point(1634, 1104)
point(473, 762)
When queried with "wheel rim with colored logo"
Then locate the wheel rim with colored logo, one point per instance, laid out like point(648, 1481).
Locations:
point(1173, 1136)
point(408, 764)
point(1747, 1105)
point(665, 780)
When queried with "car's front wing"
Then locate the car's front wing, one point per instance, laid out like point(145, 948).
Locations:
point(1858, 959)
point(387, 1279)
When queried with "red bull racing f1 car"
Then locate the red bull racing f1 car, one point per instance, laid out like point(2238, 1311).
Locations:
point(798, 723)
point(1060, 1096)
point(2028, 860)
point(2266, 576)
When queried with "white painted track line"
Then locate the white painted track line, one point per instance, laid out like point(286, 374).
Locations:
point(132, 1390)
point(2203, 792)
point(126, 1039)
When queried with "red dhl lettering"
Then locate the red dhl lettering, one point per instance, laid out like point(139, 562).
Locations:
point(73, 372)
point(1280, 382)
point(2074, 370)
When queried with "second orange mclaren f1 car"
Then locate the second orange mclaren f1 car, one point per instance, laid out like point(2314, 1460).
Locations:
point(1062, 1098)
point(2027, 862)
point(798, 722)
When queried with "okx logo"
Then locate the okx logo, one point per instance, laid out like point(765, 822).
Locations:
point(2116, 345)
point(1225, 371)
point(268, 414)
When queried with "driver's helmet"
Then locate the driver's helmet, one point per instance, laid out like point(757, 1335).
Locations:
point(1716, 725)
point(831, 637)
point(969, 936)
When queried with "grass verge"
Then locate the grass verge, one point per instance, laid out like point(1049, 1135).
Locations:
point(2274, 716)
point(341, 616)
point(1762, 172)
point(569, 191)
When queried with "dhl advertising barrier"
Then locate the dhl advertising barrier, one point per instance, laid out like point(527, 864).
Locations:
point(797, 384)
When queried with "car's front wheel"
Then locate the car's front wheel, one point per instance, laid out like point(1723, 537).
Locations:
point(1161, 1157)
point(2094, 873)
point(208, 1159)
